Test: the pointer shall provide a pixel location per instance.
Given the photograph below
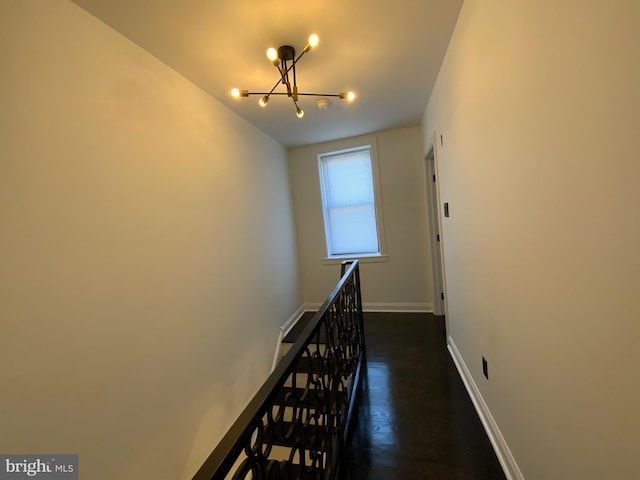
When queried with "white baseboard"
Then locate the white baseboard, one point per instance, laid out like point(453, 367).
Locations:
point(277, 354)
point(509, 465)
point(398, 307)
point(282, 332)
point(311, 307)
point(382, 307)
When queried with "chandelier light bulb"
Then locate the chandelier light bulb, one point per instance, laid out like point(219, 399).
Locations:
point(299, 112)
point(348, 96)
point(312, 42)
point(263, 101)
point(236, 93)
point(272, 54)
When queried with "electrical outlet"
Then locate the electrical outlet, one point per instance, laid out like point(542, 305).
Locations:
point(485, 368)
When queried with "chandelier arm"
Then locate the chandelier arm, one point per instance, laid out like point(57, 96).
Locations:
point(320, 94)
point(284, 73)
point(268, 93)
point(276, 85)
point(305, 94)
point(295, 85)
point(292, 64)
point(288, 86)
point(282, 80)
point(299, 57)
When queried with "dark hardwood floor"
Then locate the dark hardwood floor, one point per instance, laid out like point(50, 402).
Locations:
point(414, 419)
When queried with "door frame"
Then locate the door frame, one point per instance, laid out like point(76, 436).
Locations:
point(435, 227)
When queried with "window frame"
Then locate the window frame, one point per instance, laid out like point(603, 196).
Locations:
point(380, 255)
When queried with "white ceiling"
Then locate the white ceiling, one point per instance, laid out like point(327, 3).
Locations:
point(387, 51)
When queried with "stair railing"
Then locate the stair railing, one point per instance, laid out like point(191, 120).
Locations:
point(297, 423)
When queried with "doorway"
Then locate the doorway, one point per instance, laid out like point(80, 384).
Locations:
point(436, 240)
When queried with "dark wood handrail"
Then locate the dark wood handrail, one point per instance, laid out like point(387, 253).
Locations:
point(230, 448)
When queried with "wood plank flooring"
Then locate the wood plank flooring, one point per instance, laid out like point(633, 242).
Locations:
point(414, 419)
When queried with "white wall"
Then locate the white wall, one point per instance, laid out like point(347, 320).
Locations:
point(402, 282)
point(147, 250)
point(539, 106)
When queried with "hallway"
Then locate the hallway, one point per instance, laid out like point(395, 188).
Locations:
point(415, 419)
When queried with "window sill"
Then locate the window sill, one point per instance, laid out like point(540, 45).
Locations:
point(361, 258)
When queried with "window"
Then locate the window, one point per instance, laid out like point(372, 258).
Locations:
point(351, 221)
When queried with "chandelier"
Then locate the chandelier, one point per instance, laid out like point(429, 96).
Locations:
point(284, 59)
